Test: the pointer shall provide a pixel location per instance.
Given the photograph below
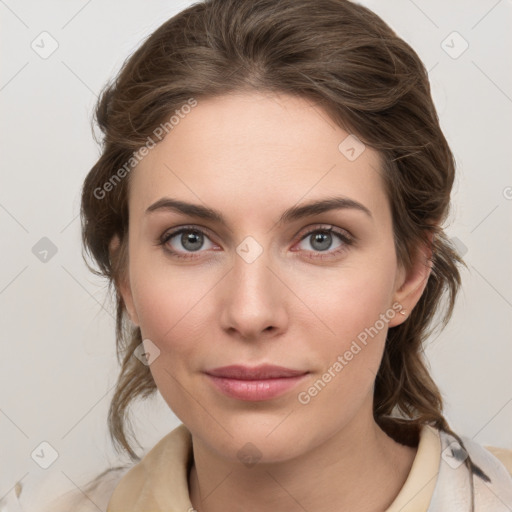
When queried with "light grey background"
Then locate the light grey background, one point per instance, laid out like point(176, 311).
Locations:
point(58, 366)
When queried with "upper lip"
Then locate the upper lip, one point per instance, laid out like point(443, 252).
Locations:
point(265, 371)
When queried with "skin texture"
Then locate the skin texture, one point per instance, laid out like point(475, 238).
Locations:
point(251, 156)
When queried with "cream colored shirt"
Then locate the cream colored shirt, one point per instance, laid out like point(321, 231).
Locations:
point(159, 482)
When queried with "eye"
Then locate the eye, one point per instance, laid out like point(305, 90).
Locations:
point(187, 239)
point(321, 240)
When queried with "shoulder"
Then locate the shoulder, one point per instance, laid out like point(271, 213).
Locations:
point(46, 495)
point(503, 455)
point(492, 460)
point(92, 497)
point(492, 473)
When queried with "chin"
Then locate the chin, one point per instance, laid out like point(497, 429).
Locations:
point(254, 440)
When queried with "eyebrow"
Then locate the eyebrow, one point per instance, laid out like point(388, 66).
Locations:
point(289, 215)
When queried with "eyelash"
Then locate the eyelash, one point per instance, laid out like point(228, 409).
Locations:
point(347, 240)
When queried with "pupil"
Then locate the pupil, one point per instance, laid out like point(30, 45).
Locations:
point(190, 238)
point(322, 237)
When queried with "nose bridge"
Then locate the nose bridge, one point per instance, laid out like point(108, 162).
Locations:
point(253, 299)
point(251, 262)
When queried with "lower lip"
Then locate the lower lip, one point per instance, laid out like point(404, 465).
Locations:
point(254, 390)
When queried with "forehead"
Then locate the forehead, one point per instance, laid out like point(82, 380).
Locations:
point(247, 153)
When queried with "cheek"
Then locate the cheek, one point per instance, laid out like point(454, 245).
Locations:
point(171, 307)
point(355, 306)
point(355, 296)
point(171, 311)
point(349, 359)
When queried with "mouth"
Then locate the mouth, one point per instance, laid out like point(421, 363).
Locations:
point(255, 384)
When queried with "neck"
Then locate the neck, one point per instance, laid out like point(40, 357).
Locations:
point(359, 468)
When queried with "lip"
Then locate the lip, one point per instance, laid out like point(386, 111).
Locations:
point(257, 383)
point(264, 371)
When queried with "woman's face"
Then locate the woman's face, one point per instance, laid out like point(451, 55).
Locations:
point(259, 287)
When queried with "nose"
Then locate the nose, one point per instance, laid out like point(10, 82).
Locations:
point(254, 299)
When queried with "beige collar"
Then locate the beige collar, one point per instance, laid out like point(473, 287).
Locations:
point(159, 482)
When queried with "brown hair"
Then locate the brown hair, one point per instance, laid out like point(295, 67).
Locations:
point(344, 58)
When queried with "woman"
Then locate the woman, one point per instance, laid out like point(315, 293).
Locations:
point(268, 207)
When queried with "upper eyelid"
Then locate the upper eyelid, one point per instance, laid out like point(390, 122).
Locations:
point(192, 227)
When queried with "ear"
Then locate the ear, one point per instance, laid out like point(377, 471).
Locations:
point(410, 284)
point(123, 283)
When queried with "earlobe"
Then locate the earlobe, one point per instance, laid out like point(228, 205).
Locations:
point(411, 283)
point(123, 284)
